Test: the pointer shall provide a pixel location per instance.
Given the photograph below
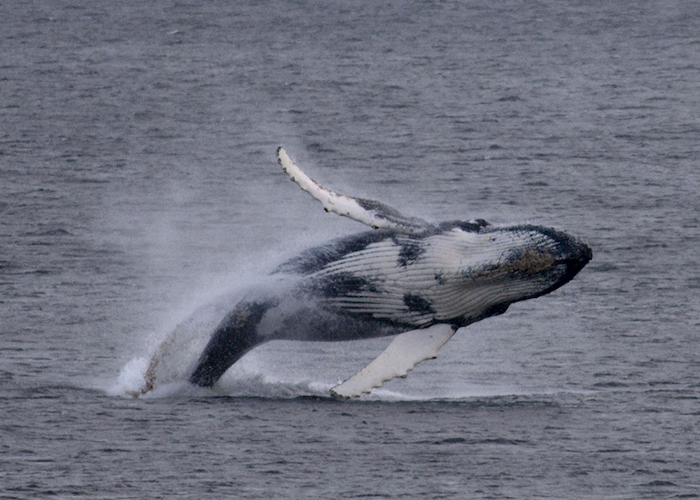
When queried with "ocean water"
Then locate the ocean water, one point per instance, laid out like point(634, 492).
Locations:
point(138, 183)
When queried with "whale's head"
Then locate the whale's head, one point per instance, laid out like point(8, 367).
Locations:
point(497, 266)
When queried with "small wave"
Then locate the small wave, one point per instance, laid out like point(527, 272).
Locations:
point(132, 380)
point(248, 382)
point(266, 386)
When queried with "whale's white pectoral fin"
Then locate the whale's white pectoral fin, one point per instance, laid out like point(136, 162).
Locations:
point(369, 212)
point(404, 352)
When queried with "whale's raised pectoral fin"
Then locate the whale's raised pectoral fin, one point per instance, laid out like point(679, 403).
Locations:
point(404, 352)
point(369, 212)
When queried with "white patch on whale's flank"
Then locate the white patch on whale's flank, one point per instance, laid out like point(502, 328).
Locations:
point(405, 351)
point(460, 259)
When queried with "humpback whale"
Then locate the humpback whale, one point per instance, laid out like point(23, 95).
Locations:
point(407, 277)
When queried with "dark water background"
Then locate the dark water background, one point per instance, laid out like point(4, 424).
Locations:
point(138, 178)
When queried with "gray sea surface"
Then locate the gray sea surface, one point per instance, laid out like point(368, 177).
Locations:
point(138, 182)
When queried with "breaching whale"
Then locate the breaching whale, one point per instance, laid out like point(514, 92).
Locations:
point(407, 277)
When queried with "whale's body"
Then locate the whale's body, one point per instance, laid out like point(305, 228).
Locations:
point(407, 275)
point(386, 282)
